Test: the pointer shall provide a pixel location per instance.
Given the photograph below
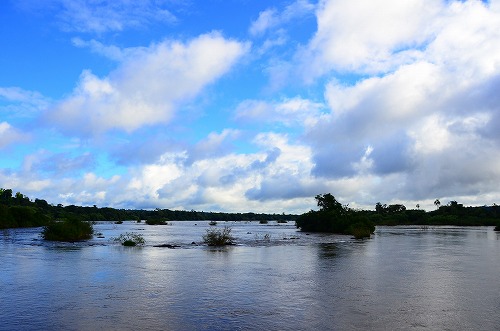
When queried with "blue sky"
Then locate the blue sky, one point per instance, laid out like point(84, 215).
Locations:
point(242, 105)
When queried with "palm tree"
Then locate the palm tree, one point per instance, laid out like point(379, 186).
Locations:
point(437, 203)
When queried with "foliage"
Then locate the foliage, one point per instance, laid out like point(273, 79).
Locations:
point(45, 212)
point(70, 230)
point(17, 210)
point(327, 202)
point(333, 217)
point(218, 237)
point(156, 221)
point(130, 239)
point(389, 209)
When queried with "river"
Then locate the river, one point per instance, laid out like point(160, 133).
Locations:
point(274, 278)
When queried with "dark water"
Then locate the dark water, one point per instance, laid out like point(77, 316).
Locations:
point(441, 278)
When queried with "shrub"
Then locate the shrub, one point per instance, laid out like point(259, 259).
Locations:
point(156, 221)
point(360, 231)
point(68, 230)
point(130, 239)
point(218, 237)
point(497, 228)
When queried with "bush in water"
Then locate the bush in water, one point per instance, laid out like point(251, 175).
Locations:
point(218, 237)
point(130, 239)
point(70, 229)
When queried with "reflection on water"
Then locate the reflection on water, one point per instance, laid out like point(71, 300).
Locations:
point(403, 278)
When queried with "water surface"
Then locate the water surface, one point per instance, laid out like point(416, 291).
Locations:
point(404, 278)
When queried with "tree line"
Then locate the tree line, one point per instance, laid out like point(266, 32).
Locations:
point(334, 217)
point(18, 210)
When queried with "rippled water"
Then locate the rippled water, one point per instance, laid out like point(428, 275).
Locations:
point(404, 278)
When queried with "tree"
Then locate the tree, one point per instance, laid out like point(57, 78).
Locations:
point(396, 208)
point(437, 203)
point(5, 196)
point(21, 199)
point(327, 202)
point(41, 203)
point(380, 208)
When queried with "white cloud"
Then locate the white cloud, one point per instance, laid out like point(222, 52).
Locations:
point(368, 36)
point(10, 135)
point(266, 20)
point(271, 18)
point(214, 145)
point(22, 103)
point(289, 111)
point(426, 119)
point(110, 51)
point(107, 16)
point(147, 87)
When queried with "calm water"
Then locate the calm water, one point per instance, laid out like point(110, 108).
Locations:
point(404, 278)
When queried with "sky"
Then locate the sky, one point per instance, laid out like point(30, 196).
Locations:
point(250, 105)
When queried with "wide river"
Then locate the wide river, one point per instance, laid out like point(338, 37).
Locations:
point(274, 278)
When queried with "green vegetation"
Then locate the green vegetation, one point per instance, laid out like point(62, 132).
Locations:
point(130, 239)
point(333, 217)
point(17, 210)
point(156, 221)
point(68, 230)
point(336, 218)
point(453, 213)
point(45, 212)
point(218, 237)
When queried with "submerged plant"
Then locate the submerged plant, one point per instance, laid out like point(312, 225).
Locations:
point(265, 237)
point(218, 237)
point(130, 239)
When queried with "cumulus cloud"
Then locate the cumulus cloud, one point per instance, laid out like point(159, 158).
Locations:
point(229, 182)
point(368, 36)
point(147, 87)
point(425, 109)
point(215, 144)
point(416, 119)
